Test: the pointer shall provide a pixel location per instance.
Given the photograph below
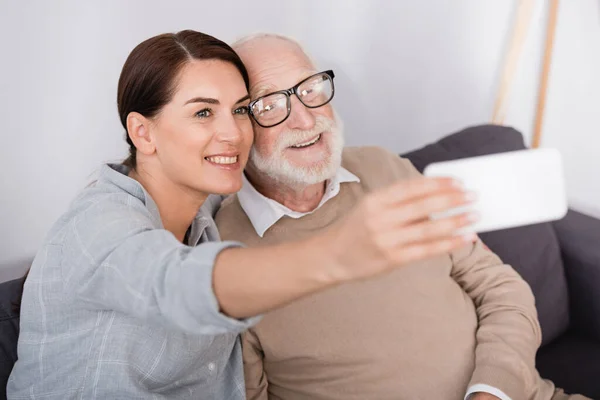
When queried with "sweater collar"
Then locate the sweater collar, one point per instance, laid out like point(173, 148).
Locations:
point(264, 212)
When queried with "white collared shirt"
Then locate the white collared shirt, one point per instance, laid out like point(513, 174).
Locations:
point(264, 212)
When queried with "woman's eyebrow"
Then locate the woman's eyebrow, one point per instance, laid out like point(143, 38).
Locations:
point(246, 97)
point(202, 100)
point(212, 101)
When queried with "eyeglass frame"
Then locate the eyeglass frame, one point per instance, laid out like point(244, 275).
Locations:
point(288, 93)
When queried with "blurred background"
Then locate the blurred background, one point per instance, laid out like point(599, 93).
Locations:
point(407, 73)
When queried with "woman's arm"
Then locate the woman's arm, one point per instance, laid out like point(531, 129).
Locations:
point(114, 258)
point(388, 229)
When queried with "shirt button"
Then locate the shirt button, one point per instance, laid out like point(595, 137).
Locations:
point(211, 367)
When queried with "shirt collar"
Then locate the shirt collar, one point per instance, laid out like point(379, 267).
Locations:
point(264, 212)
point(118, 175)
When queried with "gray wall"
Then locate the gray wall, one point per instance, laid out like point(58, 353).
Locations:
point(408, 72)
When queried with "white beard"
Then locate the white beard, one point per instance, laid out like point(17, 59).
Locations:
point(280, 169)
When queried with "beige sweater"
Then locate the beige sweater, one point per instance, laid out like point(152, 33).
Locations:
point(425, 331)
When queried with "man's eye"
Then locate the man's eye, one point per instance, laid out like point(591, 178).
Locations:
point(207, 112)
point(241, 111)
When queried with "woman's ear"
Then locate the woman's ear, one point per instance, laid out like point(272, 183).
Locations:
point(138, 129)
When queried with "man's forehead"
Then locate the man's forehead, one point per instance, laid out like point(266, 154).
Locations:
point(268, 46)
point(274, 64)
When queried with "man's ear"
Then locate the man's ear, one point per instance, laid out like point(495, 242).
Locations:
point(138, 129)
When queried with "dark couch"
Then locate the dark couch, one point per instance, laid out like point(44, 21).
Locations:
point(561, 262)
point(9, 329)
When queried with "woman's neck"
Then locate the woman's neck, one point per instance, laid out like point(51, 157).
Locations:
point(177, 205)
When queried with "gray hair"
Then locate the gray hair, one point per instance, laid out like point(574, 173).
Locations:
point(267, 35)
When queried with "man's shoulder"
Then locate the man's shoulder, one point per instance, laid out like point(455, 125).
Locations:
point(374, 162)
point(365, 153)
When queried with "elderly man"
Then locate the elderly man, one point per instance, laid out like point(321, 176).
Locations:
point(461, 325)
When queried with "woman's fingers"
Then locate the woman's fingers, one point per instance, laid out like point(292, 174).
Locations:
point(407, 191)
point(444, 228)
point(422, 232)
point(424, 250)
point(422, 208)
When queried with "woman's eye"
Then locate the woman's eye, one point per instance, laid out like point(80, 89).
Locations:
point(207, 112)
point(241, 111)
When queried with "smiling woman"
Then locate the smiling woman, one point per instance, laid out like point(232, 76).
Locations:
point(136, 287)
point(185, 116)
point(204, 121)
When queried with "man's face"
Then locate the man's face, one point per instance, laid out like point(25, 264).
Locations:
point(306, 148)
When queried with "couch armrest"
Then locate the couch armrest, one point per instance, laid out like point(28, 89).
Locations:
point(579, 237)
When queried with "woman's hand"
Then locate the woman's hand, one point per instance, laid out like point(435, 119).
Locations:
point(392, 227)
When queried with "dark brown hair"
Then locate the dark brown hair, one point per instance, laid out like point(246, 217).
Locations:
point(147, 82)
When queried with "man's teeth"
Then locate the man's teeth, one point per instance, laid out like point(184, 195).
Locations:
point(315, 140)
point(223, 160)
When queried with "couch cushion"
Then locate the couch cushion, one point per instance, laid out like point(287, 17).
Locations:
point(10, 296)
point(533, 250)
point(573, 363)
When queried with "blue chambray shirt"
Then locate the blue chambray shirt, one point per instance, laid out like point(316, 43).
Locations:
point(114, 307)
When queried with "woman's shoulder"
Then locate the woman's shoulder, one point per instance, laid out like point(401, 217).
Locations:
point(106, 197)
point(105, 207)
point(107, 203)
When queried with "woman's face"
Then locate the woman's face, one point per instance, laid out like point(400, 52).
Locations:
point(203, 136)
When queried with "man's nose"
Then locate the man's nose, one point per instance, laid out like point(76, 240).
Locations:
point(300, 117)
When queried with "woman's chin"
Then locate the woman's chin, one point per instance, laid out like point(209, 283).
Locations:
point(225, 188)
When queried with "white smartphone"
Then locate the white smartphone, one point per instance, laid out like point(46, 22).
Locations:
point(513, 189)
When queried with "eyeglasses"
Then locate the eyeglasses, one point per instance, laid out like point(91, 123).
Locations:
point(274, 108)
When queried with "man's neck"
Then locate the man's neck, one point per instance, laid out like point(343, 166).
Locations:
point(300, 198)
point(177, 207)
